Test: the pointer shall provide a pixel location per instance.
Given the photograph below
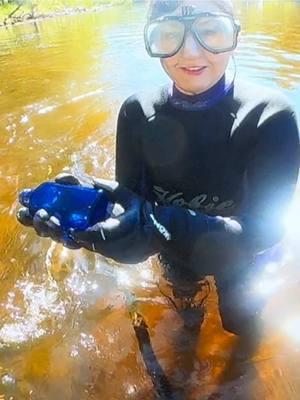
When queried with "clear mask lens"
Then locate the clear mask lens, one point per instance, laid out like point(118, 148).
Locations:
point(216, 34)
point(165, 37)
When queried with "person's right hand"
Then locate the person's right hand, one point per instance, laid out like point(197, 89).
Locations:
point(46, 225)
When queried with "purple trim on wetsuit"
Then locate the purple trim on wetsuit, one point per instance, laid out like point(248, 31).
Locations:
point(204, 100)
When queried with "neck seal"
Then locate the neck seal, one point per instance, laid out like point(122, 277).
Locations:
point(202, 101)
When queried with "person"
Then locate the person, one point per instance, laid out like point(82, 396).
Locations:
point(205, 167)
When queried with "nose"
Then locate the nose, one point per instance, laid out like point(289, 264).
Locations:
point(191, 47)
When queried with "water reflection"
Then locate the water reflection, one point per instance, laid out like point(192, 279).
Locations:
point(270, 39)
point(65, 327)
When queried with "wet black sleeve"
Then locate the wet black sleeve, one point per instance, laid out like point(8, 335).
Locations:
point(139, 245)
point(271, 179)
point(128, 160)
point(272, 172)
point(189, 237)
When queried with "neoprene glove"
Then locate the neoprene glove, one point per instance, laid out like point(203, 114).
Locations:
point(127, 236)
point(137, 229)
point(123, 237)
point(143, 229)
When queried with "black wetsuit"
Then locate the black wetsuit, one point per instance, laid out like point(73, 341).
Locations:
point(238, 158)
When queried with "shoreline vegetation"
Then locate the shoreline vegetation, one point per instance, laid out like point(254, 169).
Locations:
point(20, 11)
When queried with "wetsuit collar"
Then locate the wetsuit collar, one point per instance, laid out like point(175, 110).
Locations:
point(203, 100)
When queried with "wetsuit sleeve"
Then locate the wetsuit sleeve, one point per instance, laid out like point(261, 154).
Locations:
point(271, 179)
point(191, 238)
point(128, 160)
point(139, 244)
point(272, 171)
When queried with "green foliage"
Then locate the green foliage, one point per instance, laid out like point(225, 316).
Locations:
point(53, 4)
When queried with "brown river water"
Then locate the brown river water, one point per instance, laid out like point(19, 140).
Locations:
point(67, 318)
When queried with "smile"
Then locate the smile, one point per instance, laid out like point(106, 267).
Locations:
point(193, 70)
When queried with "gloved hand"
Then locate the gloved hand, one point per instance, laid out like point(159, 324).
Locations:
point(137, 229)
point(127, 236)
point(142, 229)
point(123, 236)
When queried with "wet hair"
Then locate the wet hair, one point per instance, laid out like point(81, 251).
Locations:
point(159, 8)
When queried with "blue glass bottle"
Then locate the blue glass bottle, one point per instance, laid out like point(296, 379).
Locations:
point(75, 206)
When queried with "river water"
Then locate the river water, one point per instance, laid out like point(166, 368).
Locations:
point(66, 329)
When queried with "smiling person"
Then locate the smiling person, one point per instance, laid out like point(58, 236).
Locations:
point(205, 166)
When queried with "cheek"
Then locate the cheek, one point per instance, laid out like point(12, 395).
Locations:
point(213, 60)
point(169, 65)
point(170, 62)
point(218, 61)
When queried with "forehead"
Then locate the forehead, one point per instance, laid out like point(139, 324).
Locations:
point(200, 6)
point(175, 7)
point(159, 8)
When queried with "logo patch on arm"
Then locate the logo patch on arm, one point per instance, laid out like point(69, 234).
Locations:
point(161, 229)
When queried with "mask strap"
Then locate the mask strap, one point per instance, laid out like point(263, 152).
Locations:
point(234, 67)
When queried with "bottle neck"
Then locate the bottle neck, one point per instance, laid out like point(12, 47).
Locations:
point(24, 197)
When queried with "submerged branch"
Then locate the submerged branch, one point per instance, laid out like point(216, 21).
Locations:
point(36, 13)
point(160, 382)
point(12, 13)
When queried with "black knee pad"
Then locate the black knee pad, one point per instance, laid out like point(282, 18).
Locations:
point(241, 325)
point(240, 311)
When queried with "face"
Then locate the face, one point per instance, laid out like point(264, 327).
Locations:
point(194, 69)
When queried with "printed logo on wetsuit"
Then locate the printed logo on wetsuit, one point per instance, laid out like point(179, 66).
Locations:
point(200, 202)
